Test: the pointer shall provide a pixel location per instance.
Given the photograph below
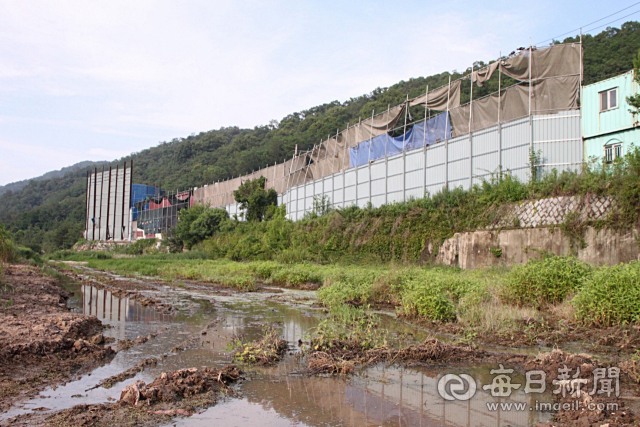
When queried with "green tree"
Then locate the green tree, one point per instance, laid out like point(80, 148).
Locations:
point(254, 199)
point(195, 225)
point(207, 223)
point(634, 100)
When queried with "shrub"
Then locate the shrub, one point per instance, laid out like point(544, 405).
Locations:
point(7, 247)
point(610, 296)
point(351, 327)
point(195, 225)
point(295, 275)
point(27, 253)
point(427, 299)
point(545, 281)
point(344, 285)
point(139, 247)
point(264, 269)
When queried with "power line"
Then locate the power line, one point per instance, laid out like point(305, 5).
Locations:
point(591, 23)
point(611, 22)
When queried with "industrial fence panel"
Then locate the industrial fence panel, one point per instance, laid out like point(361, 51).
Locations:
point(549, 141)
point(108, 204)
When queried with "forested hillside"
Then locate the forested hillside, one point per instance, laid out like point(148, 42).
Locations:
point(49, 214)
point(19, 185)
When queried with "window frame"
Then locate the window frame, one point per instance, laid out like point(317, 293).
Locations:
point(608, 98)
point(613, 152)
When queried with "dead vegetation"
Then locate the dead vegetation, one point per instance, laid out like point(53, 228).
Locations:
point(129, 373)
point(344, 357)
point(264, 352)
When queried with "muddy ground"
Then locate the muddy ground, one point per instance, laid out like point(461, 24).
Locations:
point(179, 393)
point(550, 331)
point(48, 345)
point(41, 343)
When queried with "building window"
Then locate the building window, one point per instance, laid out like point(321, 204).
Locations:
point(612, 152)
point(609, 99)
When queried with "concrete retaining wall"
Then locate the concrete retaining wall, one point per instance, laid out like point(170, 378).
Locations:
point(480, 249)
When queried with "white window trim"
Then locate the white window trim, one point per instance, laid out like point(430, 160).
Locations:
point(607, 91)
point(613, 151)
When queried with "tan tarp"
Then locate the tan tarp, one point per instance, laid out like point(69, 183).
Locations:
point(484, 74)
point(552, 61)
point(440, 98)
point(332, 156)
point(549, 95)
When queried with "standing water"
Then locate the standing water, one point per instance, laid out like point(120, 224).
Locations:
point(199, 333)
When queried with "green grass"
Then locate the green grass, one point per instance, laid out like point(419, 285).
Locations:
point(402, 233)
point(490, 301)
point(610, 296)
point(351, 327)
point(546, 281)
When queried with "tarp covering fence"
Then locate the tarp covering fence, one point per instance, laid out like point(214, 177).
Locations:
point(549, 82)
point(428, 132)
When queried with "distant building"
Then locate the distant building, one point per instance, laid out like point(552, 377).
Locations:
point(608, 127)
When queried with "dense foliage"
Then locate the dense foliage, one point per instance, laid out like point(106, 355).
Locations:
point(195, 225)
point(49, 214)
point(546, 281)
point(254, 200)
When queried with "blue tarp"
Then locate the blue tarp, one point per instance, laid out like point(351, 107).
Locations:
point(425, 133)
point(141, 192)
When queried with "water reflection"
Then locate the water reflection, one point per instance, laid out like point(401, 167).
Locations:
point(380, 395)
point(117, 311)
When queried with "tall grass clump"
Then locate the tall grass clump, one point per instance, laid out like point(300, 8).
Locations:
point(348, 285)
point(349, 327)
point(610, 296)
point(546, 281)
point(141, 246)
point(71, 255)
point(231, 274)
point(436, 295)
point(7, 247)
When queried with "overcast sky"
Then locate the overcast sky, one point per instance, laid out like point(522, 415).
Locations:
point(96, 80)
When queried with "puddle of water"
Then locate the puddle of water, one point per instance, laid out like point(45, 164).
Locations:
point(379, 395)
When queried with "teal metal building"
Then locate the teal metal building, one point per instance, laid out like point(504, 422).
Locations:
point(608, 128)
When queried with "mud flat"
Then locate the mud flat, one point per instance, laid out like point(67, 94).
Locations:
point(42, 344)
point(183, 375)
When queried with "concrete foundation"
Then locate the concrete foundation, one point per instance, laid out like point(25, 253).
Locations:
point(481, 249)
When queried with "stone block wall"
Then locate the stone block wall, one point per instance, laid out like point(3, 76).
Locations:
point(553, 211)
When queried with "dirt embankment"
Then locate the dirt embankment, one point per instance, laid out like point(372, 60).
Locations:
point(41, 343)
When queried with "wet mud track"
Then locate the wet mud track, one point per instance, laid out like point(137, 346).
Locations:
point(195, 332)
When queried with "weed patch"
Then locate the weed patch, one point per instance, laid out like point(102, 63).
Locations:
point(545, 281)
point(610, 296)
point(264, 352)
